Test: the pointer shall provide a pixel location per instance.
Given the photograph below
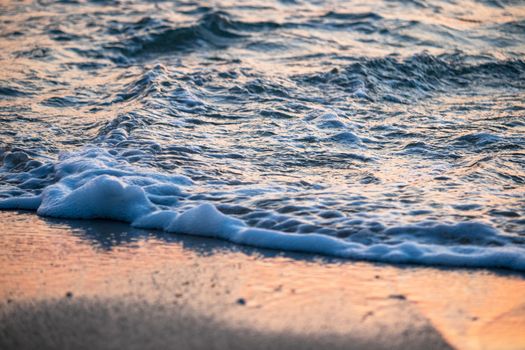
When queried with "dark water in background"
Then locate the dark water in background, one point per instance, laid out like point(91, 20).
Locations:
point(377, 122)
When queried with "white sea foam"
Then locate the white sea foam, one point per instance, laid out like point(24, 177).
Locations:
point(95, 183)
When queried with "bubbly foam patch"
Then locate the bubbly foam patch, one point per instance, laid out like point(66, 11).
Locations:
point(99, 184)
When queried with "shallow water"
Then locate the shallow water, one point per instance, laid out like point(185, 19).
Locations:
point(385, 130)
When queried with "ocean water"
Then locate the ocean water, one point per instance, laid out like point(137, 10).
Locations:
point(389, 131)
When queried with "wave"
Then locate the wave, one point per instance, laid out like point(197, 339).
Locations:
point(215, 29)
point(101, 184)
point(8, 91)
point(362, 22)
point(395, 80)
point(352, 16)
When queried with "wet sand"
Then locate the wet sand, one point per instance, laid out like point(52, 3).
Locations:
point(98, 284)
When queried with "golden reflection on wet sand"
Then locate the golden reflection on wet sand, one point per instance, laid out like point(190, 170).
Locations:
point(43, 260)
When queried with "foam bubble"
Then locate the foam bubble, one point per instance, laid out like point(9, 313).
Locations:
point(94, 183)
point(103, 197)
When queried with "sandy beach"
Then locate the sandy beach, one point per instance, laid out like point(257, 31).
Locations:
point(277, 174)
point(105, 285)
